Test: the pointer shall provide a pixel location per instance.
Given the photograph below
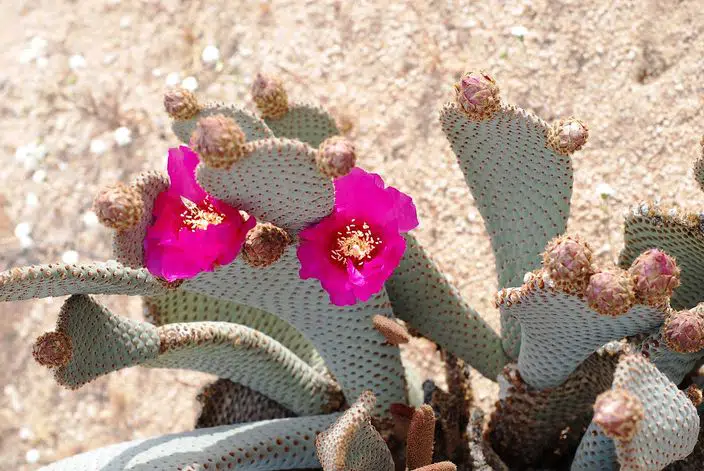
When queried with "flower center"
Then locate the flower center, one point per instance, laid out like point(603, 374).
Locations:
point(356, 242)
point(200, 217)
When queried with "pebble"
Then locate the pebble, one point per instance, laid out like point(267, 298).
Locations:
point(30, 155)
point(76, 62)
point(190, 83)
point(122, 136)
point(98, 146)
point(210, 55)
point(173, 79)
point(32, 456)
point(90, 219)
point(604, 190)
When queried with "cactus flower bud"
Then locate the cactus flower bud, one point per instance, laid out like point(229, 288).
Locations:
point(393, 332)
point(568, 261)
point(336, 157)
point(656, 275)
point(610, 293)
point(53, 349)
point(478, 95)
point(264, 245)
point(218, 140)
point(684, 331)
point(618, 413)
point(694, 393)
point(567, 136)
point(270, 96)
point(119, 206)
point(181, 103)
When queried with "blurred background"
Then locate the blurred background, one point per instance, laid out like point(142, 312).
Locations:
point(81, 86)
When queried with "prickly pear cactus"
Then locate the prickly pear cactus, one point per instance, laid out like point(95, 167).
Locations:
point(271, 260)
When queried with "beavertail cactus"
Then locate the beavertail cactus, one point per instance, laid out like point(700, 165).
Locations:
point(268, 258)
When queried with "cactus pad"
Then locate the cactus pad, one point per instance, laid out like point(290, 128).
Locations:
point(102, 341)
point(521, 188)
point(60, 279)
point(253, 127)
point(668, 431)
point(566, 324)
point(352, 443)
point(262, 446)
point(332, 329)
point(422, 296)
point(677, 233)
point(307, 123)
point(674, 365)
point(184, 306)
point(277, 181)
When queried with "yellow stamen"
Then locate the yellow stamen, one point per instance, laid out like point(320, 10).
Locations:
point(200, 218)
point(355, 243)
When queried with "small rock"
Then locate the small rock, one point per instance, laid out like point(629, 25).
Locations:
point(173, 79)
point(32, 456)
point(190, 83)
point(98, 146)
point(76, 62)
point(519, 31)
point(122, 136)
point(90, 219)
point(210, 55)
point(605, 191)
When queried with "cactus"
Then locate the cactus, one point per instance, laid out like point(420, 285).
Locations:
point(590, 358)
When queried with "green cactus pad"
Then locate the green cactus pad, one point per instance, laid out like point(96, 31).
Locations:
point(355, 352)
point(262, 446)
point(248, 357)
point(521, 188)
point(184, 306)
point(596, 452)
point(226, 403)
point(128, 245)
point(422, 296)
point(668, 431)
point(542, 428)
point(250, 124)
point(277, 181)
point(694, 461)
point(307, 123)
point(560, 330)
point(677, 233)
point(101, 341)
point(352, 443)
point(60, 279)
point(674, 365)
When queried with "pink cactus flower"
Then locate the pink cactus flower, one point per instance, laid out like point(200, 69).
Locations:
point(355, 249)
point(192, 232)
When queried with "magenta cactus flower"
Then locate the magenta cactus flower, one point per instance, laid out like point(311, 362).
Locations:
point(192, 232)
point(355, 249)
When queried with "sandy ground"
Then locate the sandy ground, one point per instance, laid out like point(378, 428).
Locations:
point(72, 72)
